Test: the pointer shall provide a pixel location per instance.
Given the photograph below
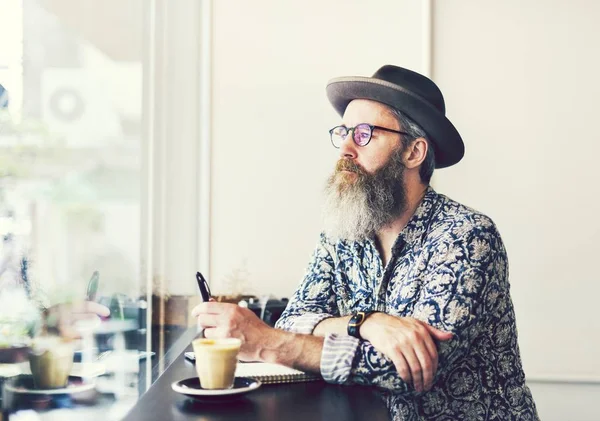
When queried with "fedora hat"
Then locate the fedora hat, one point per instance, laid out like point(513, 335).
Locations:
point(412, 93)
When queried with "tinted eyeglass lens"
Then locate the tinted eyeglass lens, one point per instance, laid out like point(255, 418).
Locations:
point(362, 134)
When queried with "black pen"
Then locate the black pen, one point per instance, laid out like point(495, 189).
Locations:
point(203, 286)
point(205, 293)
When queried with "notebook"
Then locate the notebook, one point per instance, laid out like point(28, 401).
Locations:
point(274, 373)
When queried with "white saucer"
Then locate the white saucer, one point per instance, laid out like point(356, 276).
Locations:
point(191, 388)
point(25, 385)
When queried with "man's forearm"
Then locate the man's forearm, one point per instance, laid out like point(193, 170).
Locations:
point(338, 325)
point(299, 351)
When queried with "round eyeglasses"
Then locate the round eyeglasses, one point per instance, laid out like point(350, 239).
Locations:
point(361, 134)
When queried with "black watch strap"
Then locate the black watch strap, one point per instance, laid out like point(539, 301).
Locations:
point(356, 321)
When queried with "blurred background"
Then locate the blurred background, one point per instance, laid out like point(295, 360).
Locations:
point(147, 140)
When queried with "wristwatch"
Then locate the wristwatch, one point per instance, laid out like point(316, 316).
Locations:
point(356, 321)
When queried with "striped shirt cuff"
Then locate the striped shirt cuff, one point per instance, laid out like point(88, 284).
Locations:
point(337, 356)
point(306, 323)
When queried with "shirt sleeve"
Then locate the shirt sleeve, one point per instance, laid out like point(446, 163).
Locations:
point(463, 273)
point(314, 300)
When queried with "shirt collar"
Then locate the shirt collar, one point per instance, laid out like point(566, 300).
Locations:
point(419, 222)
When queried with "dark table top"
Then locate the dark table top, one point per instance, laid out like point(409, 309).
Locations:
point(309, 401)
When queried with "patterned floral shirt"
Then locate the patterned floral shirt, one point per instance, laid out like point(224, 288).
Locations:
point(449, 269)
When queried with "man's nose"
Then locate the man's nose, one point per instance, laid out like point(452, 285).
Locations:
point(348, 148)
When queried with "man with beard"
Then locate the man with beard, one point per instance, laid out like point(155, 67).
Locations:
point(407, 290)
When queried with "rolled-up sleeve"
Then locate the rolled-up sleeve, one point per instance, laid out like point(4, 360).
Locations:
point(337, 357)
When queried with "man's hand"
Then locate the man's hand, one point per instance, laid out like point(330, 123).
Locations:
point(223, 320)
point(409, 343)
point(63, 317)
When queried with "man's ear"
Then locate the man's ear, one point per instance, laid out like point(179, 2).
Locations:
point(415, 153)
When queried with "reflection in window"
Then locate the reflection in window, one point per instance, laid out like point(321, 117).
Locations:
point(70, 136)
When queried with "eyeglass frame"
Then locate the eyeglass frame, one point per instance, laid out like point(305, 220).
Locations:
point(353, 130)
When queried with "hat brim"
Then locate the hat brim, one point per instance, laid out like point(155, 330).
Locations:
point(447, 143)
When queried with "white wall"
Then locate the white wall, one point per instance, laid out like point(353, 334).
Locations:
point(521, 84)
point(520, 80)
point(525, 99)
point(557, 401)
point(271, 150)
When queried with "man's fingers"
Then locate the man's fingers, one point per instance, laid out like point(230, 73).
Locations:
point(210, 333)
point(426, 365)
point(207, 320)
point(402, 368)
point(432, 351)
point(438, 334)
point(75, 317)
point(90, 307)
point(205, 307)
point(214, 333)
point(212, 307)
point(415, 369)
point(199, 309)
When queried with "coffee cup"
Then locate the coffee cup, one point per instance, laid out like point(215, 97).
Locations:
point(216, 361)
point(51, 360)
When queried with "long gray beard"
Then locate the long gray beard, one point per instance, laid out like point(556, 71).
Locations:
point(357, 210)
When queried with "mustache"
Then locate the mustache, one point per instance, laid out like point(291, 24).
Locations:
point(348, 165)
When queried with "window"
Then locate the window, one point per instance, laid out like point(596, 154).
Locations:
point(99, 153)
